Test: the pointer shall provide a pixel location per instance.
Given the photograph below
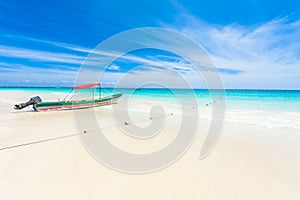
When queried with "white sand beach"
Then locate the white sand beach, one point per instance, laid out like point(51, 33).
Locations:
point(249, 162)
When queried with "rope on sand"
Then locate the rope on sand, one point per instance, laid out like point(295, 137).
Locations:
point(38, 141)
point(75, 134)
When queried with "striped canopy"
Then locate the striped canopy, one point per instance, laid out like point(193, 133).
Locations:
point(85, 86)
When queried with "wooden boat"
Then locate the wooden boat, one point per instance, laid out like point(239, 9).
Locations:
point(70, 104)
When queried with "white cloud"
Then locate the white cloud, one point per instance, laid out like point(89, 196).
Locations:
point(38, 55)
point(268, 54)
point(114, 67)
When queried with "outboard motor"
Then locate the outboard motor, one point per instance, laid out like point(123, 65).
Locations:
point(33, 100)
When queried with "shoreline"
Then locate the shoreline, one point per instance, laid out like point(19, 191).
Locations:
point(254, 113)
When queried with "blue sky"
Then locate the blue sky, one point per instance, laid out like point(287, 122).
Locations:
point(255, 44)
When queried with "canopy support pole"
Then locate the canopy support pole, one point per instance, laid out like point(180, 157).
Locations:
point(99, 91)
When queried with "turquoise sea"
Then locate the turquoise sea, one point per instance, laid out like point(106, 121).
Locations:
point(268, 100)
point(271, 108)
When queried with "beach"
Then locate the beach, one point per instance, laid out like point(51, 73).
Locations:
point(250, 161)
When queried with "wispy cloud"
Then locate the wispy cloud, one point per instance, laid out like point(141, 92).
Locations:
point(16, 67)
point(246, 56)
point(114, 67)
point(154, 62)
point(37, 55)
point(267, 53)
point(276, 40)
point(16, 73)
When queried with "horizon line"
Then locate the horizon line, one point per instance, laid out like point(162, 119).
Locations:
point(67, 87)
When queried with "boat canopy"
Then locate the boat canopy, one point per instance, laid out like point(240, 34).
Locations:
point(85, 86)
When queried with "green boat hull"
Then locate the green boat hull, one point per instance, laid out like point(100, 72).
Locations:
point(70, 105)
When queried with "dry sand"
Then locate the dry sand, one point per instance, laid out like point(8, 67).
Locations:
point(249, 162)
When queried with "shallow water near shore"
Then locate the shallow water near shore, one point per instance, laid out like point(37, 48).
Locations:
point(269, 108)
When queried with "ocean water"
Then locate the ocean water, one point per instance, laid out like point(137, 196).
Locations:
point(269, 108)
